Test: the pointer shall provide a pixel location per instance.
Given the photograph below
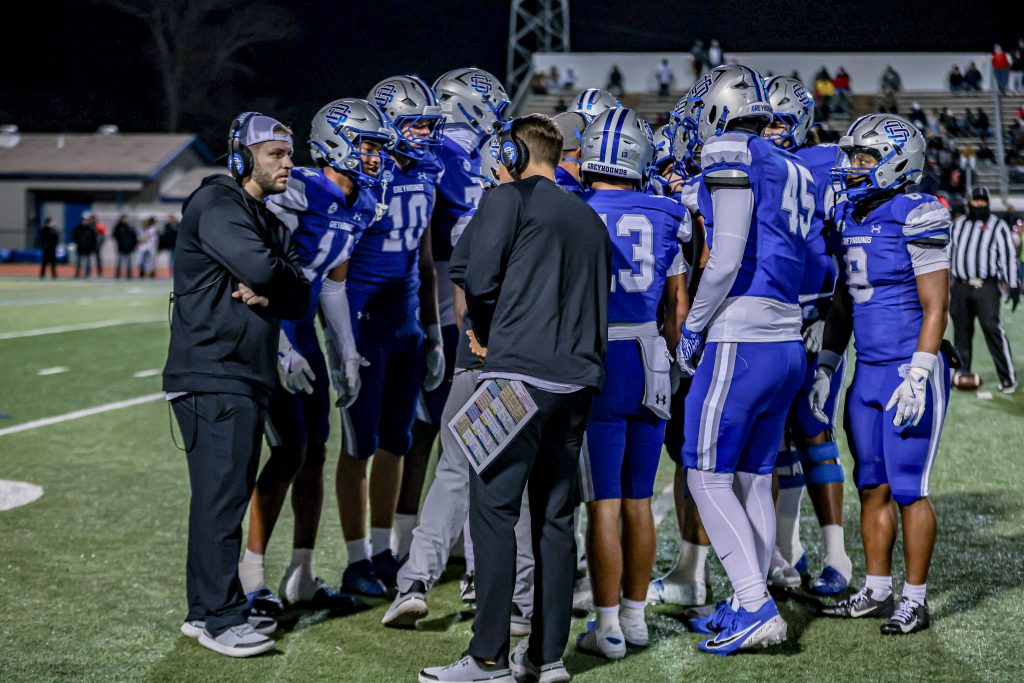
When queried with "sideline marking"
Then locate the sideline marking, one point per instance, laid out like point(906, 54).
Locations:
point(14, 494)
point(77, 327)
point(85, 412)
point(146, 373)
point(52, 371)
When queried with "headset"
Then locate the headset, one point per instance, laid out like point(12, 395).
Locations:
point(240, 160)
point(515, 156)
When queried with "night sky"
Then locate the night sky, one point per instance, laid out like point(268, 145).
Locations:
point(71, 65)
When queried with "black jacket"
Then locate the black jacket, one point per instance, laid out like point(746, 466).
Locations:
point(126, 237)
point(219, 344)
point(49, 238)
point(85, 238)
point(537, 282)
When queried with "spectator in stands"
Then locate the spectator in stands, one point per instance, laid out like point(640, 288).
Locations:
point(887, 103)
point(538, 84)
point(665, 77)
point(615, 82)
point(949, 123)
point(715, 56)
point(985, 153)
point(101, 236)
point(569, 79)
point(1017, 67)
point(49, 239)
point(148, 244)
point(169, 238)
point(561, 105)
point(842, 81)
point(918, 117)
point(1000, 67)
point(84, 237)
point(824, 89)
point(972, 79)
point(127, 239)
point(981, 121)
point(956, 79)
point(700, 57)
point(795, 75)
point(891, 80)
point(554, 78)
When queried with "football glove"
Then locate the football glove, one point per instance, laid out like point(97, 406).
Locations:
point(910, 396)
point(689, 350)
point(435, 358)
point(293, 370)
point(344, 375)
point(812, 336)
point(828, 361)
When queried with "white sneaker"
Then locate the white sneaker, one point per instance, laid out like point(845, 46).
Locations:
point(237, 641)
point(466, 670)
point(262, 625)
point(610, 644)
point(634, 630)
point(406, 610)
point(524, 670)
point(782, 573)
point(662, 592)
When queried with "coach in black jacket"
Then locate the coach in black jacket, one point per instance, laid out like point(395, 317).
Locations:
point(235, 277)
point(536, 273)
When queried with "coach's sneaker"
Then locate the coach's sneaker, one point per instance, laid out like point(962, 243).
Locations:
point(262, 625)
point(519, 625)
point(386, 567)
point(860, 604)
point(747, 630)
point(661, 592)
point(526, 671)
point(714, 622)
point(830, 582)
point(909, 617)
point(408, 607)
point(1008, 388)
point(781, 573)
point(237, 641)
point(263, 602)
point(360, 581)
point(609, 643)
point(467, 589)
point(467, 670)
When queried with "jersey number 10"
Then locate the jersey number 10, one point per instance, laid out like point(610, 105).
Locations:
point(798, 199)
point(410, 218)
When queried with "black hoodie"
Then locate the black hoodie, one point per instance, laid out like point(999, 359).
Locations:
point(219, 344)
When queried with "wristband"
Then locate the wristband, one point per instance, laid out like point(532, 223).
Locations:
point(923, 361)
point(434, 332)
point(829, 361)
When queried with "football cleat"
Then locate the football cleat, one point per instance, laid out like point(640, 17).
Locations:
point(714, 622)
point(325, 597)
point(802, 566)
point(360, 581)
point(634, 631)
point(520, 625)
point(830, 582)
point(781, 573)
point(746, 630)
point(525, 670)
point(386, 567)
point(467, 589)
point(611, 644)
point(909, 617)
point(860, 604)
point(1008, 388)
point(661, 592)
point(263, 602)
point(407, 609)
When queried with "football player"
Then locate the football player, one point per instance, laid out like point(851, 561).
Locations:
point(627, 419)
point(327, 208)
point(392, 298)
point(815, 455)
point(593, 102)
point(757, 202)
point(894, 299)
point(567, 173)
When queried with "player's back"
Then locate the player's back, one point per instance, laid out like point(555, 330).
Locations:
point(820, 270)
point(879, 272)
point(387, 254)
point(646, 234)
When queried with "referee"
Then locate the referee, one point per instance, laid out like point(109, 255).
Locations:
point(983, 256)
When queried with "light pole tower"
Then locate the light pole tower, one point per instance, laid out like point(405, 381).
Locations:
point(534, 26)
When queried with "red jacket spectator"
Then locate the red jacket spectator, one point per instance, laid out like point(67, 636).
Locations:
point(1000, 60)
point(842, 81)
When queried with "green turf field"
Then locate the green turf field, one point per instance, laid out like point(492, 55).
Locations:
point(92, 580)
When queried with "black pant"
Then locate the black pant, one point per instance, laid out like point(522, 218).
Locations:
point(49, 259)
point(545, 454)
point(83, 260)
point(223, 433)
point(967, 303)
point(123, 258)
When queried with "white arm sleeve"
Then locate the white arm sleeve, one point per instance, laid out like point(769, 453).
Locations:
point(733, 210)
point(679, 265)
point(334, 304)
point(928, 259)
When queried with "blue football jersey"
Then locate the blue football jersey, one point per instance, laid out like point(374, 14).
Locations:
point(324, 228)
point(880, 275)
point(458, 191)
point(820, 271)
point(646, 232)
point(566, 180)
point(784, 202)
point(388, 252)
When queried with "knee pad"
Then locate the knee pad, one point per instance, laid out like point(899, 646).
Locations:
point(816, 466)
point(831, 473)
point(822, 452)
point(791, 474)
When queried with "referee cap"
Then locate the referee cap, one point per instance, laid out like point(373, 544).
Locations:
point(980, 193)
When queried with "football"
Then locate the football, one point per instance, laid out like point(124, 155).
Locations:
point(967, 381)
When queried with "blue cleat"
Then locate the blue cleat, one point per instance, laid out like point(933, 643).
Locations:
point(360, 581)
point(714, 622)
point(264, 603)
point(386, 567)
point(746, 630)
point(831, 582)
point(802, 566)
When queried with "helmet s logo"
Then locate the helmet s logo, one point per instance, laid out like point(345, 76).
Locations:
point(384, 94)
point(337, 115)
point(702, 86)
point(896, 131)
point(481, 83)
point(802, 95)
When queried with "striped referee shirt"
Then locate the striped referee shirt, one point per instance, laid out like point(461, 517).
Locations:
point(983, 249)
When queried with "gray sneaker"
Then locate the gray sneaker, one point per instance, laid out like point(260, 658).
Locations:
point(526, 671)
point(860, 604)
point(466, 670)
point(262, 625)
point(406, 610)
point(237, 641)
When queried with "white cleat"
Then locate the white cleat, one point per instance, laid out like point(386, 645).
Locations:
point(781, 573)
point(662, 592)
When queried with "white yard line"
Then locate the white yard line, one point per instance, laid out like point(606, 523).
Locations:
point(40, 331)
point(85, 412)
point(14, 494)
point(60, 369)
point(146, 373)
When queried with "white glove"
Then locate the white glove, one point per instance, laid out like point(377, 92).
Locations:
point(293, 370)
point(828, 361)
point(909, 397)
point(812, 336)
point(435, 358)
point(344, 375)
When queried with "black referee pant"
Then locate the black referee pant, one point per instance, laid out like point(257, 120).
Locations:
point(544, 456)
point(223, 434)
point(968, 302)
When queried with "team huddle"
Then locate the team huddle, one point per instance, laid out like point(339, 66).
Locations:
point(744, 255)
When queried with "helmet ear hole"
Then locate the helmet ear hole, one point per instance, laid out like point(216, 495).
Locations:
point(713, 113)
point(900, 166)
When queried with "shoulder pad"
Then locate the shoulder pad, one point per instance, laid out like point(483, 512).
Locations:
point(728, 148)
point(726, 177)
point(925, 217)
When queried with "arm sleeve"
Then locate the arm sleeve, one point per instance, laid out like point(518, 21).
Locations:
point(733, 210)
point(334, 304)
point(683, 235)
point(494, 228)
point(927, 258)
